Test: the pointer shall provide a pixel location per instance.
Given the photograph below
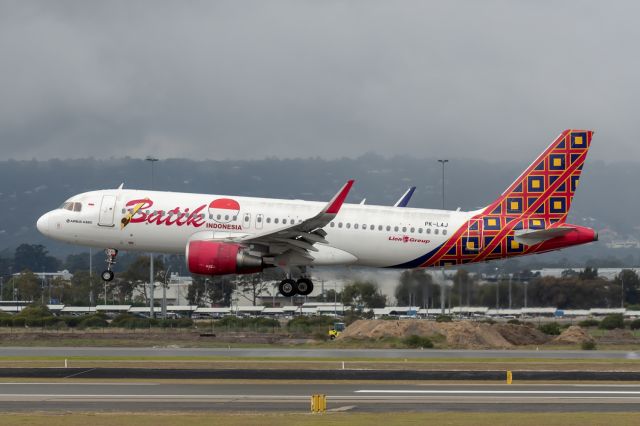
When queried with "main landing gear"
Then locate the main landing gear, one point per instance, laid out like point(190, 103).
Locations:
point(289, 287)
point(107, 275)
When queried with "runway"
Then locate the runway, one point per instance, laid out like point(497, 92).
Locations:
point(296, 374)
point(341, 354)
point(158, 396)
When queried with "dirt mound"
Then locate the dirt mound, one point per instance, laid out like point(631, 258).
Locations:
point(470, 335)
point(618, 337)
point(378, 329)
point(521, 334)
point(462, 334)
point(573, 335)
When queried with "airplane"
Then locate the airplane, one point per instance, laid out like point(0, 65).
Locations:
point(402, 201)
point(221, 235)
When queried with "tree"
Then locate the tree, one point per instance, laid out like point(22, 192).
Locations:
point(365, 294)
point(34, 257)
point(28, 286)
point(136, 277)
point(414, 288)
point(631, 282)
point(81, 283)
point(589, 273)
point(251, 286)
point(209, 291)
point(463, 287)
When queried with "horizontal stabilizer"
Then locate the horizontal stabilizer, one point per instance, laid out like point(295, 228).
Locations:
point(531, 237)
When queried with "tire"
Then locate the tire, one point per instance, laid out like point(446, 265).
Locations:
point(287, 288)
point(107, 275)
point(304, 286)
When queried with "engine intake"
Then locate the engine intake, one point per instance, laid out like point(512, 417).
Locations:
point(216, 258)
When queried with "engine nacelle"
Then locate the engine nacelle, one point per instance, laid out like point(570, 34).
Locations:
point(216, 258)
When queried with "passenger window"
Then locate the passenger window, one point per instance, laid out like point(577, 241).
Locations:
point(419, 230)
point(275, 220)
point(388, 228)
point(404, 229)
point(355, 226)
point(259, 219)
point(348, 225)
point(246, 219)
point(428, 230)
point(292, 221)
point(379, 227)
point(436, 231)
point(226, 217)
point(339, 224)
point(218, 217)
point(444, 232)
point(210, 216)
point(372, 227)
point(332, 224)
point(268, 220)
point(396, 228)
point(413, 230)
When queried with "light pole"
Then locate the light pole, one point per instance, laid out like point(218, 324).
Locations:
point(622, 290)
point(164, 294)
point(151, 274)
point(510, 278)
point(443, 162)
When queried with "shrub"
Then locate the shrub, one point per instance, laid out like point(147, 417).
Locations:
point(34, 311)
point(514, 321)
point(307, 323)
point(611, 322)
point(550, 328)
point(635, 324)
point(415, 341)
point(130, 321)
point(588, 345)
point(247, 323)
point(589, 323)
point(444, 318)
point(93, 321)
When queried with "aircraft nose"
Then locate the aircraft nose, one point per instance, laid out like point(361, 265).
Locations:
point(43, 224)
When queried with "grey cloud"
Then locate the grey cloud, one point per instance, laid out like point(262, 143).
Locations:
point(494, 80)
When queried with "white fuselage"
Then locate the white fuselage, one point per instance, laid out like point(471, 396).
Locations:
point(364, 235)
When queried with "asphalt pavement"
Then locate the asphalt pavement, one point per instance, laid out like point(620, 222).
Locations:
point(162, 396)
point(341, 354)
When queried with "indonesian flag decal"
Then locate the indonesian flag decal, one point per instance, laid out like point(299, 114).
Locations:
point(224, 210)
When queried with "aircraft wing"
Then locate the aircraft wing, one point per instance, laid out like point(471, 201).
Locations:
point(298, 239)
point(404, 200)
point(531, 237)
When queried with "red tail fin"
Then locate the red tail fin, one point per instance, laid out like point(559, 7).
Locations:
point(545, 189)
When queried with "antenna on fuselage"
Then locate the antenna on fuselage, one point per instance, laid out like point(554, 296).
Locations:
point(121, 186)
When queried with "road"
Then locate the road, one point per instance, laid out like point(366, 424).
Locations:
point(341, 354)
point(162, 396)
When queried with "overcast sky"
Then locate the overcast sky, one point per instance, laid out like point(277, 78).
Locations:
point(254, 79)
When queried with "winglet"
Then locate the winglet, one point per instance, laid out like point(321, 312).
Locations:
point(404, 200)
point(333, 207)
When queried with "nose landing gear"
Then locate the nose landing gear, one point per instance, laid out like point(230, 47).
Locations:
point(107, 275)
point(289, 287)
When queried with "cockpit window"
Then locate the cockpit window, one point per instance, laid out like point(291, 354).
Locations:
point(72, 207)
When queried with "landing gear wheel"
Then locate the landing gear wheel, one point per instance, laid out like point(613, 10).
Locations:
point(287, 288)
point(107, 275)
point(304, 286)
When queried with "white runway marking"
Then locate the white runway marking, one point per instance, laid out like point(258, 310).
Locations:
point(499, 392)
